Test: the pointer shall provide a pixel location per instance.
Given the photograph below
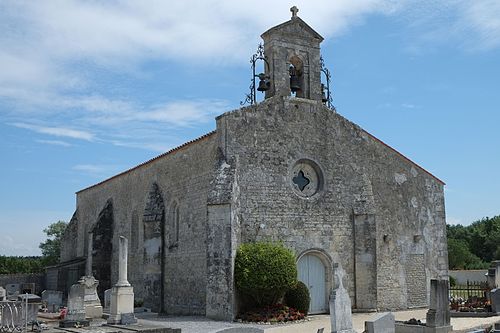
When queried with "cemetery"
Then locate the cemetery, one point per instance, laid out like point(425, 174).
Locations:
point(84, 311)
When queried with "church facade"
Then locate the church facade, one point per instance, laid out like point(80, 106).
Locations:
point(286, 169)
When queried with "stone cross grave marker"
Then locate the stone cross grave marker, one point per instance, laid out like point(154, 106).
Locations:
point(340, 305)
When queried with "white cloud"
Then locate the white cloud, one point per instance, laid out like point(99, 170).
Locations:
point(467, 25)
point(14, 245)
point(183, 113)
point(55, 143)
point(52, 52)
point(483, 17)
point(408, 105)
point(57, 131)
point(97, 170)
point(95, 118)
point(453, 220)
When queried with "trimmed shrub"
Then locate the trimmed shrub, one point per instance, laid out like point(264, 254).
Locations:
point(264, 271)
point(298, 297)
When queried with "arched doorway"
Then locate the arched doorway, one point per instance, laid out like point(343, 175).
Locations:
point(153, 243)
point(312, 271)
point(102, 248)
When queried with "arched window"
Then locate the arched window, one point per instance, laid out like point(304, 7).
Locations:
point(175, 224)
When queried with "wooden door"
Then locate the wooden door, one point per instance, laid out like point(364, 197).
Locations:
point(312, 272)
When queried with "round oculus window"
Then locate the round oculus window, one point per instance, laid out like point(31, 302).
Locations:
point(307, 179)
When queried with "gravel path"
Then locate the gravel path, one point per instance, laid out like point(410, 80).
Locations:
point(204, 325)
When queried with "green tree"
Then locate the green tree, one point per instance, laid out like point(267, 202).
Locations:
point(52, 246)
point(474, 246)
point(13, 265)
point(460, 257)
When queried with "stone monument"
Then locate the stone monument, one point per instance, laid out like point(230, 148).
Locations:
point(107, 298)
point(495, 300)
point(340, 305)
point(438, 315)
point(52, 299)
point(3, 294)
point(93, 307)
point(75, 316)
point(122, 293)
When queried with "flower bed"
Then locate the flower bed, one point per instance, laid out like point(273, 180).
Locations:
point(278, 313)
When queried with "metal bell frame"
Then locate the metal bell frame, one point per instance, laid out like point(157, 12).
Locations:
point(326, 98)
point(251, 97)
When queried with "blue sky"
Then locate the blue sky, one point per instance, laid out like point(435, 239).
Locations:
point(89, 89)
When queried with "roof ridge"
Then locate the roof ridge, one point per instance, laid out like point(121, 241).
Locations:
point(150, 160)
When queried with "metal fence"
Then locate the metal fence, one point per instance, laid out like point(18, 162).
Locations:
point(469, 290)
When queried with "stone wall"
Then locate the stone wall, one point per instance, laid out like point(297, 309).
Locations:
point(38, 279)
point(182, 178)
point(472, 275)
point(358, 174)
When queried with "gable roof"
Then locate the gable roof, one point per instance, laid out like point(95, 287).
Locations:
point(298, 24)
point(173, 150)
point(403, 156)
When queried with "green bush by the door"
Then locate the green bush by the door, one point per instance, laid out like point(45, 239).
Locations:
point(298, 297)
point(264, 271)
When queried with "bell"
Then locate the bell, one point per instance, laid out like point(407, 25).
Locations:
point(324, 99)
point(263, 83)
point(263, 86)
point(294, 80)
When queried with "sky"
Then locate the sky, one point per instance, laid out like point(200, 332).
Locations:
point(91, 88)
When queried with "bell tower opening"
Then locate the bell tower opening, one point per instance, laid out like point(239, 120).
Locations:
point(296, 71)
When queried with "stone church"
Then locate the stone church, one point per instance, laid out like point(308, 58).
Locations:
point(287, 169)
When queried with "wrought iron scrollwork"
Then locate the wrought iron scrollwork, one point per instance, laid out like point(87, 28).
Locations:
point(327, 95)
point(11, 317)
point(251, 97)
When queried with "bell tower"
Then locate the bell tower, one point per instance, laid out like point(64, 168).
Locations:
point(293, 53)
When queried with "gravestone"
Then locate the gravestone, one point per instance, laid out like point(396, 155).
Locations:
point(76, 308)
point(381, 323)
point(122, 294)
point(438, 315)
point(3, 294)
point(53, 299)
point(92, 303)
point(495, 300)
point(12, 291)
point(107, 298)
point(340, 305)
point(27, 288)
